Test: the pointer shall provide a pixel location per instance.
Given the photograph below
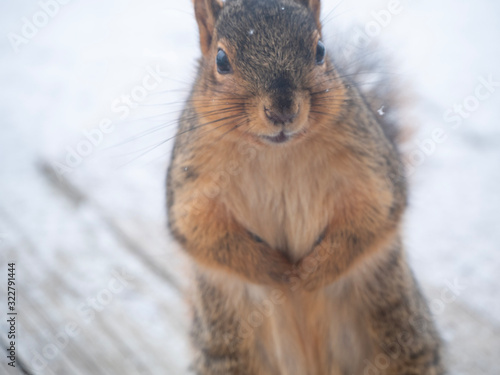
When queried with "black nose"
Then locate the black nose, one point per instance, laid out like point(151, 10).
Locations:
point(280, 117)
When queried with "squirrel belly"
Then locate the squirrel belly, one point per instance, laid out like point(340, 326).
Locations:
point(287, 191)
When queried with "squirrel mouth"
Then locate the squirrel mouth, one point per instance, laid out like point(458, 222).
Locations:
point(282, 137)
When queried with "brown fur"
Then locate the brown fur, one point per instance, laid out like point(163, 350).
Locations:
point(296, 245)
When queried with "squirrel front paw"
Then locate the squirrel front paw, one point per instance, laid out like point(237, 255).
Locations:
point(315, 270)
point(275, 265)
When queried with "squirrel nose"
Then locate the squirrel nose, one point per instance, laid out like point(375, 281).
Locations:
point(280, 117)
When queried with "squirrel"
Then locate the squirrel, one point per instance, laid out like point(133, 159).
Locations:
point(286, 190)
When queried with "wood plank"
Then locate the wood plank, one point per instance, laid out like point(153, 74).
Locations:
point(59, 272)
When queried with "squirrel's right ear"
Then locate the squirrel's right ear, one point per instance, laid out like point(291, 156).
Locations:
point(206, 12)
point(315, 7)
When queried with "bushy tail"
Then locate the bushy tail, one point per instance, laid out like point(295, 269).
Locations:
point(377, 79)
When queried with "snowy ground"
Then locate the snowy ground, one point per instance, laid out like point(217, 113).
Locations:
point(69, 235)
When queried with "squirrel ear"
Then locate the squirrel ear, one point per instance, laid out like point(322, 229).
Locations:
point(315, 6)
point(206, 12)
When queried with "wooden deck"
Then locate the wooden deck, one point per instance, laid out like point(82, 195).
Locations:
point(90, 298)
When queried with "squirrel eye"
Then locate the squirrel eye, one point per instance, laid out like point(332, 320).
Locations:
point(320, 53)
point(223, 65)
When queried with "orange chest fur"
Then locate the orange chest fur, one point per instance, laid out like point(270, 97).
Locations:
point(286, 203)
point(287, 196)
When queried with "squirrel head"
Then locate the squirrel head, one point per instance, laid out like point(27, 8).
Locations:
point(264, 70)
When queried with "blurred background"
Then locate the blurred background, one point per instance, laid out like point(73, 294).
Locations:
point(90, 94)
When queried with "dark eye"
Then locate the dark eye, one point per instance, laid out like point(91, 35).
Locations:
point(223, 65)
point(320, 53)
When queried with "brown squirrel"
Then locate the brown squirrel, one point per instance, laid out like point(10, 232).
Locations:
point(286, 190)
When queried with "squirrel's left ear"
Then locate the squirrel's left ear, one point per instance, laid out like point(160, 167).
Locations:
point(315, 6)
point(207, 12)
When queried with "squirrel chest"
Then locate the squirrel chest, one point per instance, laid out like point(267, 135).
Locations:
point(283, 196)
